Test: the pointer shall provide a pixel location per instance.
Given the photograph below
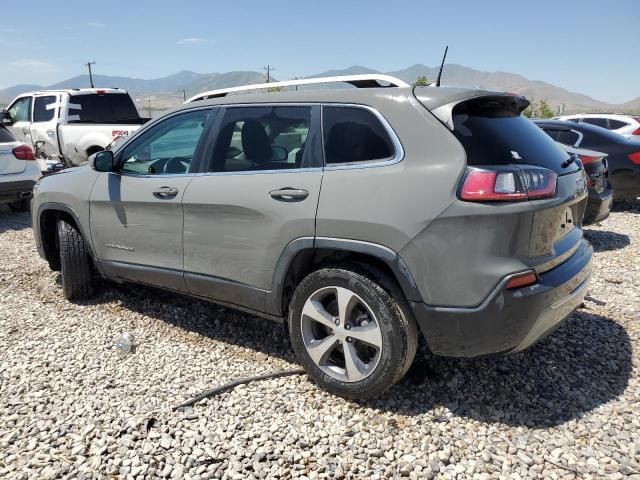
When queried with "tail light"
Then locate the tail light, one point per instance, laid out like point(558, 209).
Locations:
point(24, 152)
point(522, 280)
point(586, 160)
point(636, 132)
point(635, 158)
point(101, 92)
point(507, 184)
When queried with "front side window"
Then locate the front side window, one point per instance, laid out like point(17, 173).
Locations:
point(262, 138)
point(353, 135)
point(44, 108)
point(167, 147)
point(20, 111)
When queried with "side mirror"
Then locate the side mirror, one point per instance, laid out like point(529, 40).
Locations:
point(5, 118)
point(279, 154)
point(102, 161)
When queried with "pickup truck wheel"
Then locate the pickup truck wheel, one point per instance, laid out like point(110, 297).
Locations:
point(351, 335)
point(75, 263)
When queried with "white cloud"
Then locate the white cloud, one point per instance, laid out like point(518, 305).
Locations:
point(193, 41)
point(95, 24)
point(29, 65)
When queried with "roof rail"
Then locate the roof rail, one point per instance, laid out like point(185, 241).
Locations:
point(368, 80)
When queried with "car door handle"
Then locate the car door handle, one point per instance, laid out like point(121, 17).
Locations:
point(165, 192)
point(289, 194)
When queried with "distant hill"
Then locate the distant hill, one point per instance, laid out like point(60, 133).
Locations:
point(168, 91)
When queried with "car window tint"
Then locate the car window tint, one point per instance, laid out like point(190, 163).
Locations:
point(5, 135)
point(44, 108)
point(20, 111)
point(105, 108)
point(354, 135)
point(262, 138)
point(616, 124)
point(167, 147)
point(598, 122)
point(551, 132)
point(567, 137)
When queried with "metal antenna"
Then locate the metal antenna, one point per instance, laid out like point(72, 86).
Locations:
point(442, 65)
point(88, 64)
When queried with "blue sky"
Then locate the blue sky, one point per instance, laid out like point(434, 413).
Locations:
point(588, 46)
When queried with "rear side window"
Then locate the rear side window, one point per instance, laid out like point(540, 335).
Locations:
point(598, 122)
point(44, 108)
point(493, 132)
point(106, 108)
point(354, 135)
point(616, 124)
point(5, 135)
point(568, 137)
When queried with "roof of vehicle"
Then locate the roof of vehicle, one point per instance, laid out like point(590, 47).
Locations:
point(598, 115)
point(75, 91)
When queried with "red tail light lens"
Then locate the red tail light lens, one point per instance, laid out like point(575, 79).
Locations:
point(507, 184)
point(636, 132)
point(24, 152)
point(522, 280)
point(586, 160)
point(635, 158)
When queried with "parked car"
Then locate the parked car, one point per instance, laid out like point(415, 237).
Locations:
point(19, 171)
point(358, 217)
point(623, 154)
point(626, 125)
point(600, 190)
point(69, 125)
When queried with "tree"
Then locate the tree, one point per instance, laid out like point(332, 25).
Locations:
point(528, 112)
point(544, 110)
point(421, 81)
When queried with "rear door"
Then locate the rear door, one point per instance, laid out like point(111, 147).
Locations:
point(20, 112)
point(259, 193)
point(8, 162)
point(136, 213)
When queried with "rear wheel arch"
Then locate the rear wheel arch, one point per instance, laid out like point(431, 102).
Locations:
point(304, 256)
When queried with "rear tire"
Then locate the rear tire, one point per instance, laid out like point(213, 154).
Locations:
point(75, 262)
point(351, 335)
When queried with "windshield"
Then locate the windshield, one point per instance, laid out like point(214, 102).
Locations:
point(105, 108)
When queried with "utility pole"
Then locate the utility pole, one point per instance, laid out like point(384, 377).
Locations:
point(88, 64)
point(184, 95)
point(149, 107)
point(268, 69)
point(296, 78)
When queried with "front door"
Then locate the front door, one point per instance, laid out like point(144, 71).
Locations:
point(136, 213)
point(259, 193)
point(20, 112)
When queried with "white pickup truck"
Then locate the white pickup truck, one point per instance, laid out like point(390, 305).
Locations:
point(70, 125)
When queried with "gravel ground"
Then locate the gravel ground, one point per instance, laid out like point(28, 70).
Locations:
point(70, 407)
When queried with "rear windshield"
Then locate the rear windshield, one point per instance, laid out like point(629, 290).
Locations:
point(5, 135)
point(106, 108)
point(493, 132)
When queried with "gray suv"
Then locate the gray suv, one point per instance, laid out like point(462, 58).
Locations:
point(359, 217)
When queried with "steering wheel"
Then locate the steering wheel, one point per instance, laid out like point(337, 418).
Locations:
point(174, 165)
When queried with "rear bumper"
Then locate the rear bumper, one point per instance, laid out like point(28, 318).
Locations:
point(14, 191)
point(598, 206)
point(508, 320)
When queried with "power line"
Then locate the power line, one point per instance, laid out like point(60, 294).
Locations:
point(268, 69)
point(88, 64)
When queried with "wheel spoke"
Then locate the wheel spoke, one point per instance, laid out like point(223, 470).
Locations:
point(314, 310)
point(319, 350)
point(355, 368)
point(346, 300)
point(369, 334)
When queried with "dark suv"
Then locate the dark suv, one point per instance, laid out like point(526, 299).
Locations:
point(357, 216)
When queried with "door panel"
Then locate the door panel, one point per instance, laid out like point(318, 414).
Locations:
point(261, 194)
point(136, 214)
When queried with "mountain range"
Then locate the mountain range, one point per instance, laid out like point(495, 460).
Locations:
point(168, 91)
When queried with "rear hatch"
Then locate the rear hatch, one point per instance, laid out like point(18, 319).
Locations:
point(8, 162)
point(496, 136)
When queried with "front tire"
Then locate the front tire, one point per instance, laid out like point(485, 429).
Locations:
point(351, 335)
point(75, 262)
